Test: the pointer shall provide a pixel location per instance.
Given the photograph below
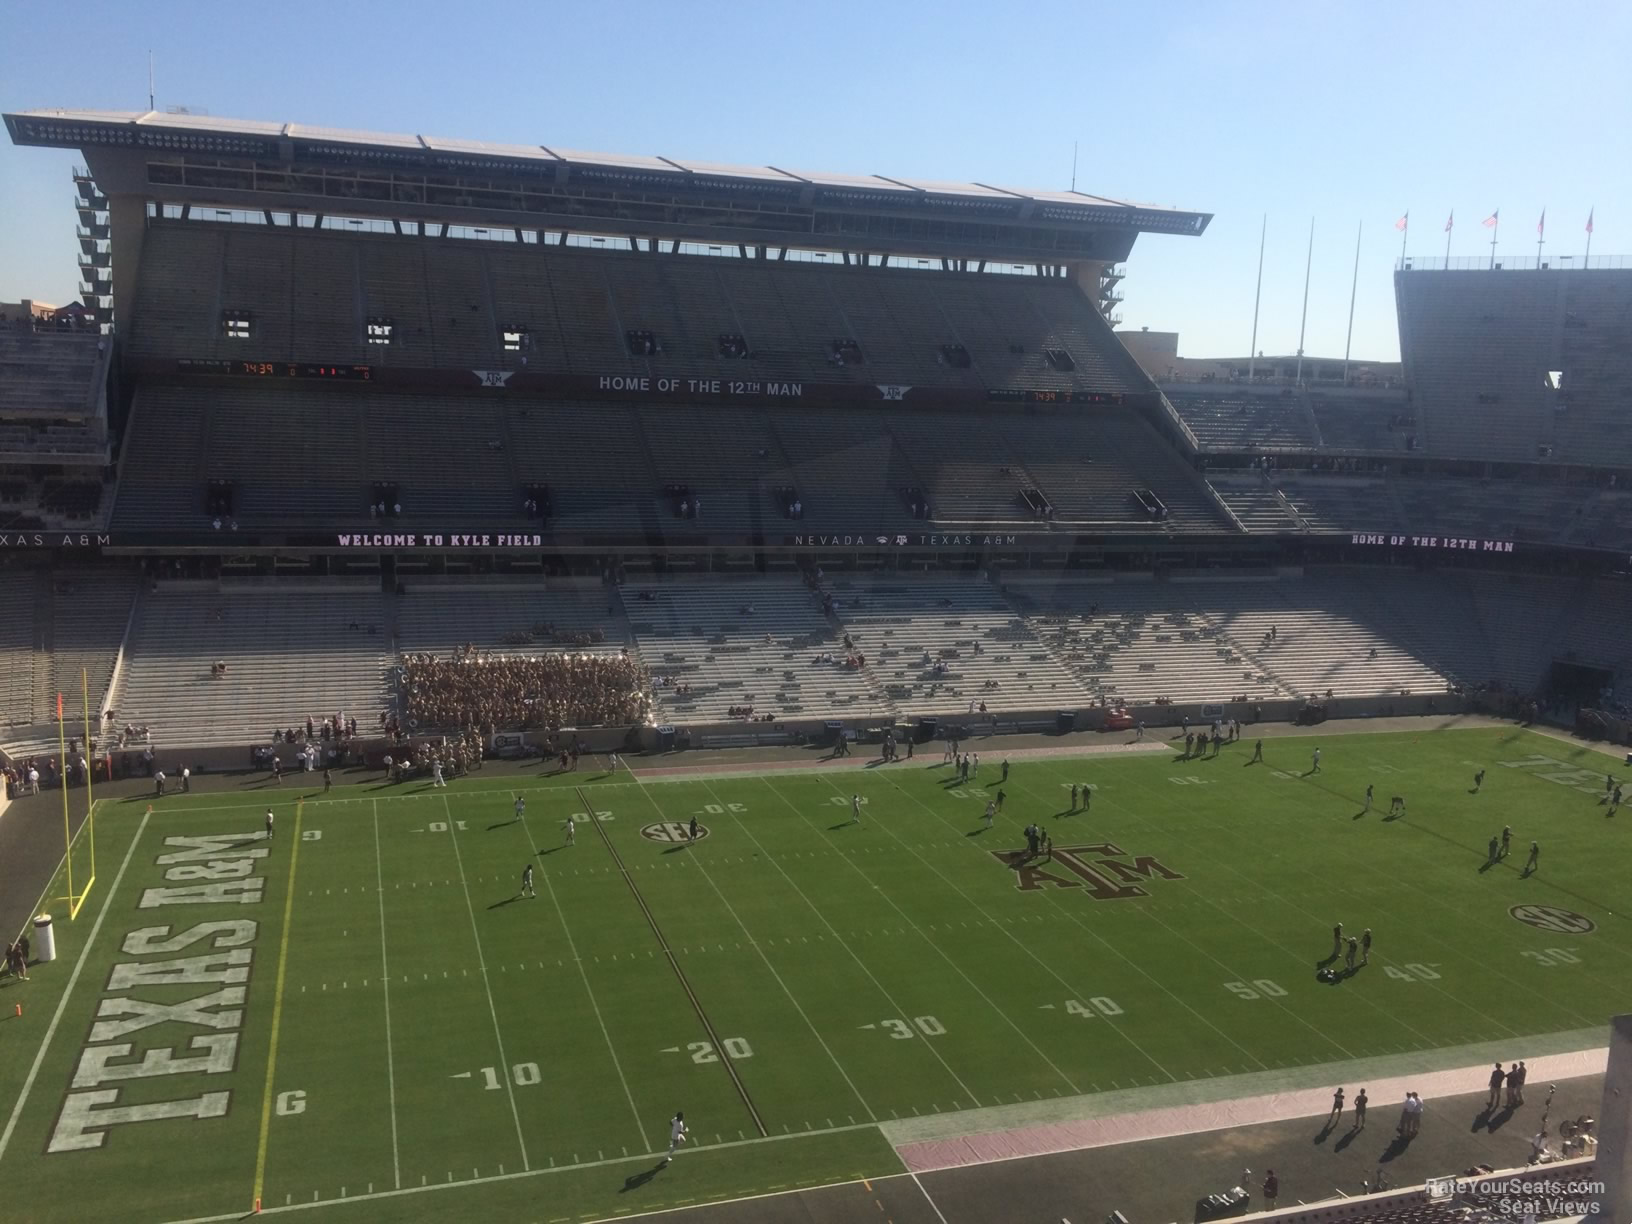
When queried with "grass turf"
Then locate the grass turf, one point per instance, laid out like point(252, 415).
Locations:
point(790, 980)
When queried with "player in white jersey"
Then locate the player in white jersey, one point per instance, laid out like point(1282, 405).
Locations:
point(855, 809)
point(527, 881)
point(521, 808)
point(991, 811)
point(677, 1134)
point(572, 830)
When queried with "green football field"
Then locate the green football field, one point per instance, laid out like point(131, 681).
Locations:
point(363, 1013)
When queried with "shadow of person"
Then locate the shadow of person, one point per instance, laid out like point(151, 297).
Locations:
point(1325, 1131)
point(636, 1180)
point(505, 902)
point(1395, 1148)
point(1349, 1137)
point(1499, 1119)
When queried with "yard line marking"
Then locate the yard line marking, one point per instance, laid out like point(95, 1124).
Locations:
point(487, 986)
point(385, 977)
point(735, 917)
point(927, 1199)
point(277, 1010)
point(1059, 907)
point(958, 969)
point(1389, 1014)
point(51, 1029)
point(862, 965)
point(728, 1064)
point(589, 990)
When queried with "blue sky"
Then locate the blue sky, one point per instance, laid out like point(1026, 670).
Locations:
point(1346, 113)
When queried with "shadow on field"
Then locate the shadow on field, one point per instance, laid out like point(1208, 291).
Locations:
point(503, 824)
point(505, 902)
point(636, 1180)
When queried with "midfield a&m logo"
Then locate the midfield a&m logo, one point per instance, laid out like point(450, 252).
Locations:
point(1099, 868)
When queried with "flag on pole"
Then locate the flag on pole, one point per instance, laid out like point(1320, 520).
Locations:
point(1541, 226)
point(1590, 211)
point(59, 707)
point(1401, 223)
point(1449, 220)
point(1490, 221)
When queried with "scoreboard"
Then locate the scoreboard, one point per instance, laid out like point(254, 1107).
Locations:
point(273, 369)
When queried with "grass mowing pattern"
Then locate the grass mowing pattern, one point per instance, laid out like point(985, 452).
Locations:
point(438, 1030)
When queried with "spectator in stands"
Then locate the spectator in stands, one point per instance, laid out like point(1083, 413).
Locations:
point(548, 691)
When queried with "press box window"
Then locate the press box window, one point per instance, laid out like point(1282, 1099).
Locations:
point(516, 339)
point(235, 324)
point(381, 330)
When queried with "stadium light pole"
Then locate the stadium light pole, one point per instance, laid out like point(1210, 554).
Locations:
point(1303, 321)
point(1257, 295)
point(1354, 287)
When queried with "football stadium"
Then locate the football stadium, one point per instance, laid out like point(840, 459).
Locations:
point(735, 693)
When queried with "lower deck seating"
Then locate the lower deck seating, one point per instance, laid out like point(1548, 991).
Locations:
point(288, 655)
point(941, 646)
point(764, 646)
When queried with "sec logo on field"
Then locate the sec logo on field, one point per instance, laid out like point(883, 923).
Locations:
point(1552, 918)
point(672, 831)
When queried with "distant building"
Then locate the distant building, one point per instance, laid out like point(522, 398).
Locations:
point(1158, 355)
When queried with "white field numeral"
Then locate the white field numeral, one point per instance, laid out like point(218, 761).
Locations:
point(1099, 1005)
point(900, 1030)
point(844, 801)
point(441, 826)
point(1414, 971)
point(734, 1047)
point(524, 1074)
point(1258, 988)
point(1188, 780)
point(1553, 956)
point(720, 809)
point(311, 835)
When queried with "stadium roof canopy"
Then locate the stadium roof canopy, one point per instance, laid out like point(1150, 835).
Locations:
point(489, 180)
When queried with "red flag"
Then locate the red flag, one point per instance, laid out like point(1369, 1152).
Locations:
point(59, 707)
point(1590, 211)
point(1541, 226)
point(1490, 221)
point(1400, 224)
point(1449, 220)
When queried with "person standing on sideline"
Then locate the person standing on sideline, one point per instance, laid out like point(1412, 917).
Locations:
point(855, 809)
point(1496, 1078)
point(1507, 838)
point(1413, 1114)
point(1315, 768)
point(186, 780)
point(1337, 941)
point(1518, 1090)
point(1258, 751)
point(572, 830)
point(1073, 796)
point(521, 808)
point(1360, 1103)
point(1337, 1107)
point(677, 1134)
point(436, 772)
point(1478, 781)
point(1369, 789)
point(612, 762)
point(269, 819)
point(1513, 1086)
point(158, 782)
point(277, 769)
point(1272, 1188)
point(1005, 776)
point(1533, 863)
point(991, 811)
point(527, 881)
point(691, 833)
point(1365, 946)
point(328, 780)
point(1349, 955)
